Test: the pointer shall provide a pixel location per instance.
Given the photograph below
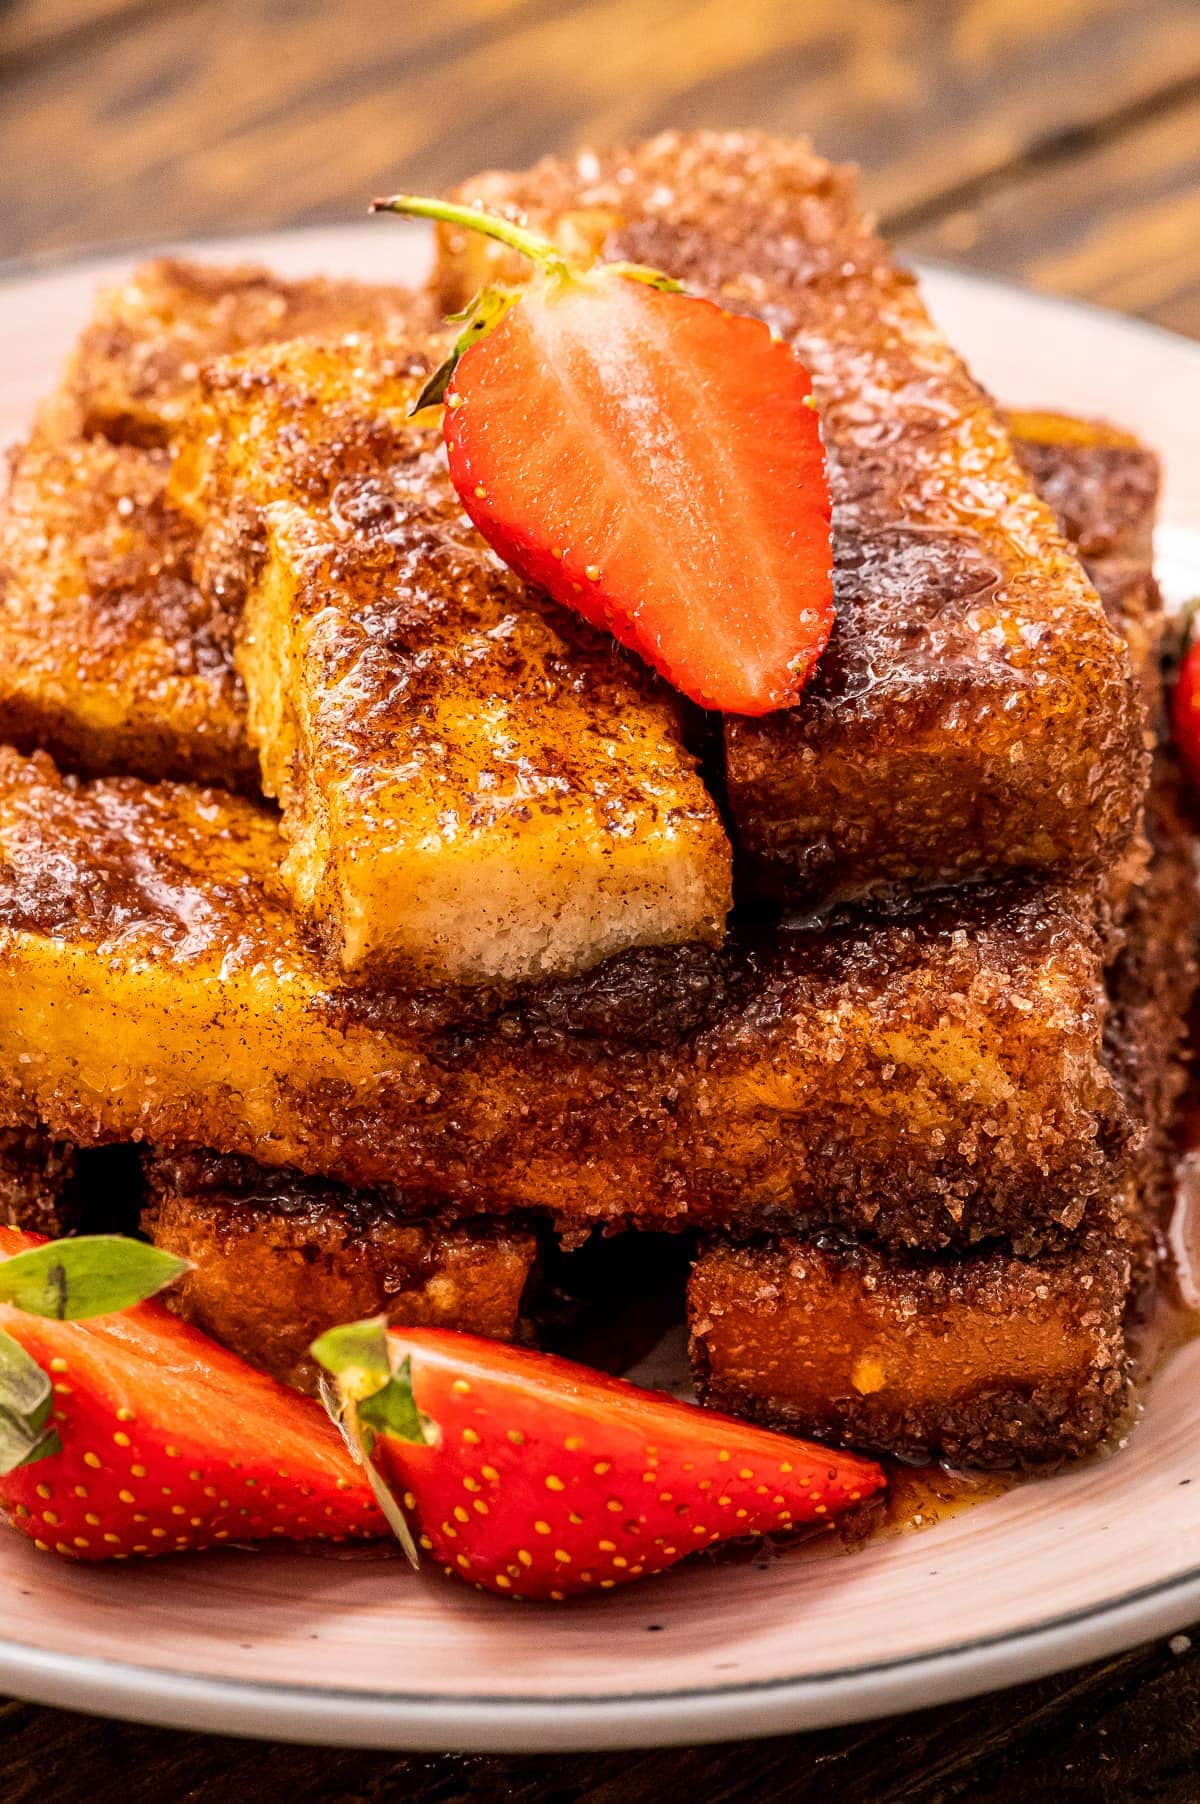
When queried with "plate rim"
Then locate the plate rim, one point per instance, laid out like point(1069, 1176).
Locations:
point(483, 1722)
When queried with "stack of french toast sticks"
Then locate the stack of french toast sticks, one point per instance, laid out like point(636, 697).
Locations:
point(405, 922)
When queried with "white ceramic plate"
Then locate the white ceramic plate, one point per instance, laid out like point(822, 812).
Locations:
point(357, 1651)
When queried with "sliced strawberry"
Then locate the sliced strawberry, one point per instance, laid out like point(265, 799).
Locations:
point(535, 1477)
point(1185, 712)
point(653, 462)
point(150, 1438)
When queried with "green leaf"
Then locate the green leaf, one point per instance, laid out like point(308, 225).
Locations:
point(356, 1347)
point(434, 391)
point(642, 272)
point(97, 1274)
point(20, 1447)
point(26, 1399)
point(24, 1387)
point(357, 1355)
point(393, 1409)
point(482, 316)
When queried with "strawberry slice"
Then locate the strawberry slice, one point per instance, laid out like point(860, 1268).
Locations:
point(651, 461)
point(534, 1477)
point(1185, 704)
point(135, 1434)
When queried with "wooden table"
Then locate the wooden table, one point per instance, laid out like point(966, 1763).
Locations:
point(1054, 141)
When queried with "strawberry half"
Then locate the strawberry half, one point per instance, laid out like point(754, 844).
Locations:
point(135, 1434)
point(1185, 704)
point(651, 461)
point(534, 1477)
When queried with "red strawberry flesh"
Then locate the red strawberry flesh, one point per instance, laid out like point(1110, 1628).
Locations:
point(655, 464)
point(1185, 713)
point(547, 1480)
point(169, 1443)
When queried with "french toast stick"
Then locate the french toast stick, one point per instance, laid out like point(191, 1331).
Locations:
point(131, 377)
point(475, 787)
point(109, 655)
point(984, 1360)
point(1103, 486)
point(974, 713)
point(1101, 482)
point(111, 658)
point(935, 1072)
point(987, 1359)
point(276, 1259)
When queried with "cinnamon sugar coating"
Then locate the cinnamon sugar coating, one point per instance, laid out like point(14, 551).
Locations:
point(990, 1358)
point(109, 655)
point(985, 1360)
point(132, 375)
point(276, 1259)
point(475, 786)
point(935, 1071)
point(1102, 484)
point(35, 1178)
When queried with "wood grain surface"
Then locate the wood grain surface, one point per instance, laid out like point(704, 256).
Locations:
point(1123, 1730)
point(1054, 141)
point(126, 120)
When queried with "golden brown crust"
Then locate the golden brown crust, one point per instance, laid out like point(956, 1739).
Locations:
point(935, 1070)
point(987, 1360)
point(132, 375)
point(990, 1358)
point(109, 655)
point(973, 712)
point(475, 787)
point(277, 1259)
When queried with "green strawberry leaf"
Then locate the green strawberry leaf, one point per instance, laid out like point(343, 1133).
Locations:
point(26, 1399)
point(392, 1410)
point(642, 272)
point(98, 1274)
point(482, 316)
point(369, 1399)
point(25, 1390)
point(360, 1359)
point(360, 1348)
point(357, 1356)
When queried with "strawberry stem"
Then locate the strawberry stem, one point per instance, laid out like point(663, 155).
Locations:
point(473, 219)
point(367, 1398)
